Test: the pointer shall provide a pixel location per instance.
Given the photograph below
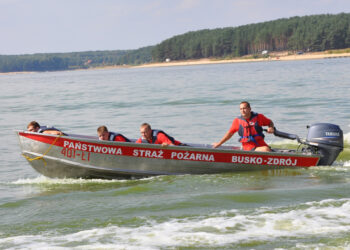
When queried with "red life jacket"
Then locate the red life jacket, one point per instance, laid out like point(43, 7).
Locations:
point(155, 133)
point(113, 136)
point(250, 132)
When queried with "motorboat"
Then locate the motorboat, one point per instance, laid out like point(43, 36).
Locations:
point(81, 156)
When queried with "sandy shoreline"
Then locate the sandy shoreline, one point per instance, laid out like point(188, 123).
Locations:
point(275, 57)
point(283, 56)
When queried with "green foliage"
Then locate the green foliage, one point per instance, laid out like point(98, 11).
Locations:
point(309, 33)
point(44, 62)
point(75, 60)
point(339, 51)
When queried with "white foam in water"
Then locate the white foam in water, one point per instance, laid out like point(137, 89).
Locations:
point(322, 246)
point(347, 137)
point(312, 219)
point(45, 180)
point(283, 142)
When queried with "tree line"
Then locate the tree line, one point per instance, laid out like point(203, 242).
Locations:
point(74, 60)
point(308, 33)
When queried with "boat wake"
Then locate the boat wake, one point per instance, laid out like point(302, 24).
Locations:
point(40, 180)
point(234, 228)
point(46, 181)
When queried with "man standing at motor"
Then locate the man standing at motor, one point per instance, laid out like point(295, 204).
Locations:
point(249, 127)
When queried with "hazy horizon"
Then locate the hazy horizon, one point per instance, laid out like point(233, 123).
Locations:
point(62, 26)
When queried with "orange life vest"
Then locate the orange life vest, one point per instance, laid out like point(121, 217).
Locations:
point(250, 131)
point(113, 136)
point(155, 133)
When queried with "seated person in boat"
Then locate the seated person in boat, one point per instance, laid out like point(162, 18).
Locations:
point(249, 127)
point(105, 135)
point(154, 136)
point(33, 126)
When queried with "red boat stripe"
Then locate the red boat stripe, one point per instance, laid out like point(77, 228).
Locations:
point(245, 158)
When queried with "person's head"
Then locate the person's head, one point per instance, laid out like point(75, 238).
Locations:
point(146, 131)
point(102, 133)
point(33, 126)
point(244, 108)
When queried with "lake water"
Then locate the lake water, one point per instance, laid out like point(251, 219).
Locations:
point(282, 209)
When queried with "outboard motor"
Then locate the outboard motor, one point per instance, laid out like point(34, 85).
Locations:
point(328, 139)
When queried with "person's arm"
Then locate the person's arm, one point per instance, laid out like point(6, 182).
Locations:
point(164, 140)
point(264, 121)
point(233, 129)
point(53, 132)
point(121, 138)
point(271, 128)
point(226, 137)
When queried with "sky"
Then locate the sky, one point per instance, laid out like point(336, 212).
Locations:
point(55, 26)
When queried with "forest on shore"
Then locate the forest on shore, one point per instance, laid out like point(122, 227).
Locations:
point(306, 34)
point(73, 60)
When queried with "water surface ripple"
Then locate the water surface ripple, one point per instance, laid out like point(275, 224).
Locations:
point(276, 209)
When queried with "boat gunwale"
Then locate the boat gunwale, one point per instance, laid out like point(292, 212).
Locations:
point(206, 147)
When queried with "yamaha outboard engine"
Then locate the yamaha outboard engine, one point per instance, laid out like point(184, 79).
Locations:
point(328, 139)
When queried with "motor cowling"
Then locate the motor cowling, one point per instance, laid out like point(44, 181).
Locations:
point(328, 139)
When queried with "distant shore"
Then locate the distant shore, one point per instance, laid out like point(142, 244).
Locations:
point(274, 56)
point(283, 56)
